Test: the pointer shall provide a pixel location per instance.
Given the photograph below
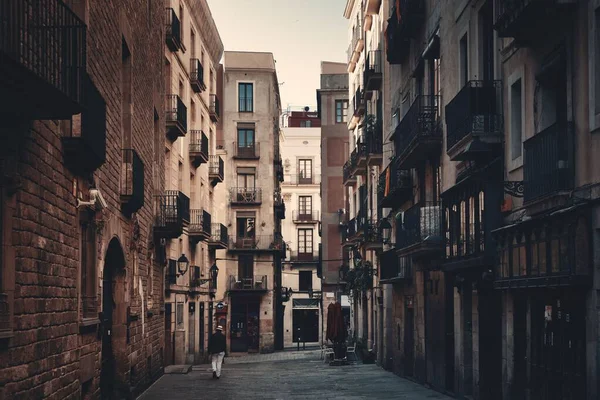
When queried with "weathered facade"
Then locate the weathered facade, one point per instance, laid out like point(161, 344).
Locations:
point(252, 272)
point(80, 287)
point(189, 227)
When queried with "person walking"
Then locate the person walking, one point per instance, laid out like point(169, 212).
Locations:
point(216, 348)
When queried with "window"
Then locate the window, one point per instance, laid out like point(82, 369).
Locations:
point(341, 111)
point(516, 120)
point(464, 61)
point(245, 224)
point(246, 177)
point(245, 266)
point(179, 315)
point(305, 124)
point(305, 205)
point(245, 142)
point(305, 241)
point(305, 281)
point(88, 268)
point(246, 97)
point(305, 171)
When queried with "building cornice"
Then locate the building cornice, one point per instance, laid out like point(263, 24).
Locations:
point(205, 23)
point(348, 9)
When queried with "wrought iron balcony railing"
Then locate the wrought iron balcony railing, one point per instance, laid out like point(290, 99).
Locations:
point(219, 236)
point(373, 73)
point(257, 243)
point(132, 181)
point(302, 179)
point(216, 169)
point(197, 76)
point(359, 102)
point(43, 59)
point(246, 150)
point(475, 113)
point(200, 227)
point(176, 116)
point(518, 18)
point(394, 268)
point(173, 30)
point(214, 108)
point(198, 147)
point(347, 172)
point(304, 256)
point(395, 186)
point(245, 195)
point(402, 26)
point(548, 165)
point(173, 211)
point(256, 283)
point(305, 216)
point(420, 223)
point(418, 133)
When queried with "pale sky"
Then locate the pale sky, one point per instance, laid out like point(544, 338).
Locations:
point(299, 33)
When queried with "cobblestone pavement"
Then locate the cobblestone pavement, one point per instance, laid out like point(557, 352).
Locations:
point(306, 378)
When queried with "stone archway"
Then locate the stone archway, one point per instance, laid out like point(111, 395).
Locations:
point(115, 300)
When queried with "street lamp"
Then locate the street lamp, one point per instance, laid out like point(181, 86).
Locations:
point(182, 264)
point(214, 273)
point(386, 230)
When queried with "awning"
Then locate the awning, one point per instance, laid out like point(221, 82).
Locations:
point(305, 303)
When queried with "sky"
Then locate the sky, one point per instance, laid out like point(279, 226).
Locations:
point(299, 33)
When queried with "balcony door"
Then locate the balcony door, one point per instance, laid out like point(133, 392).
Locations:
point(246, 181)
point(246, 143)
point(245, 228)
point(305, 208)
point(304, 172)
point(305, 243)
point(245, 267)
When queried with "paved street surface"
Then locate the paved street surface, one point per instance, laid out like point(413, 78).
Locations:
point(288, 375)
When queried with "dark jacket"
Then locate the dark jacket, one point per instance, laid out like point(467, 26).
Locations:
point(216, 343)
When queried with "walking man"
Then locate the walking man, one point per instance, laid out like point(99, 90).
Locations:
point(216, 348)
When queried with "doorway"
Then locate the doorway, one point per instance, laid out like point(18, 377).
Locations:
point(520, 346)
point(245, 325)
point(114, 328)
point(306, 325)
point(409, 337)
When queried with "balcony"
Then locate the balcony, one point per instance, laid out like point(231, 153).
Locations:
point(278, 204)
point(171, 272)
point(371, 237)
point(218, 238)
point(548, 165)
point(200, 228)
point(213, 108)
point(471, 211)
point(402, 26)
point(394, 269)
point(359, 102)
point(175, 117)
point(245, 196)
point(374, 144)
point(304, 257)
point(358, 158)
point(358, 41)
point(475, 122)
point(305, 217)
point(347, 176)
point(173, 212)
point(85, 150)
point(372, 76)
point(43, 53)
point(520, 19)
point(302, 179)
point(198, 148)
point(197, 76)
point(173, 30)
point(418, 135)
point(372, 7)
point(419, 230)
point(256, 284)
point(132, 182)
point(395, 186)
point(216, 170)
point(247, 151)
point(256, 243)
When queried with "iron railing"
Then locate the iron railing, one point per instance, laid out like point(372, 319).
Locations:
point(475, 110)
point(422, 222)
point(393, 267)
point(420, 122)
point(347, 171)
point(199, 143)
point(214, 108)
point(514, 17)
point(358, 101)
point(171, 272)
point(216, 167)
point(176, 112)
point(173, 30)
point(197, 75)
point(49, 41)
point(132, 181)
point(395, 186)
point(374, 140)
point(256, 242)
point(248, 283)
point(305, 216)
point(372, 75)
point(247, 150)
point(304, 256)
point(219, 233)
point(245, 195)
point(302, 179)
point(173, 211)
point(548, 166)
point(200, 222)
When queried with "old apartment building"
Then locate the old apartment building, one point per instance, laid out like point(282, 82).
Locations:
point(81, 161)
point(252, 268)
point(190, 225)
point(332, 107)
point(488, 219)
point(300, 155)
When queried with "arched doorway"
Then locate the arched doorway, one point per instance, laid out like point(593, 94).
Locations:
point(113, 318)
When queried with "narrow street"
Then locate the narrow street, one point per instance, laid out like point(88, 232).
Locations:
point(288, 376)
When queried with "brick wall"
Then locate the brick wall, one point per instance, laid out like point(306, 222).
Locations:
point(52, 354)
